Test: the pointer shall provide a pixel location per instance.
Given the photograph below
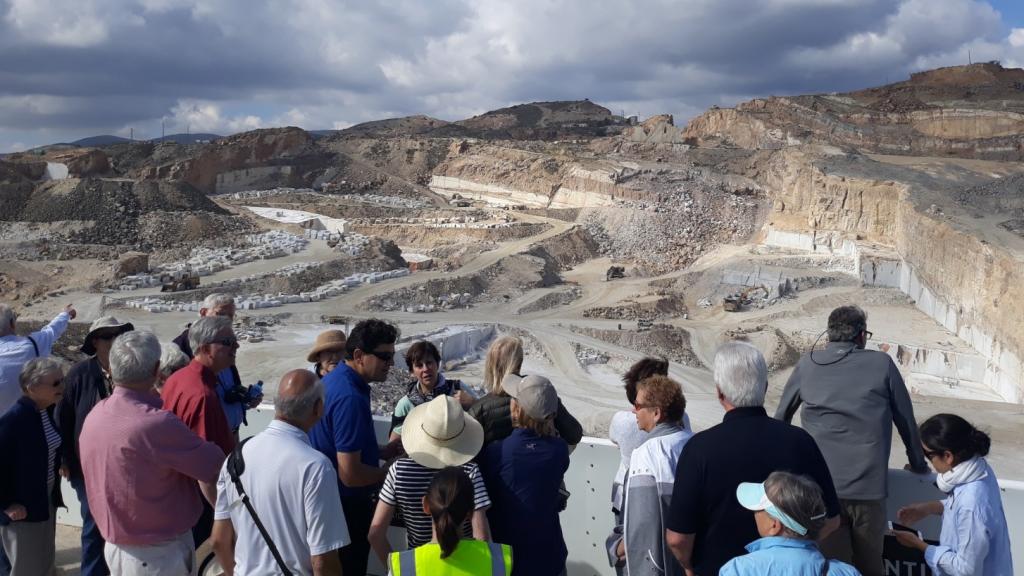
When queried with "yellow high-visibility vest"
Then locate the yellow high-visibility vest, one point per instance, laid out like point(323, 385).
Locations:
point(470, 558)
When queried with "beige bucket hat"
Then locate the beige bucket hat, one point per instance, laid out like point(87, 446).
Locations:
point(106, 325)
point(328, 340)
point(439, 433)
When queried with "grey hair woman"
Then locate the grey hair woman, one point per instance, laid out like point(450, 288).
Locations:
point(789, 511)
point(29, 482)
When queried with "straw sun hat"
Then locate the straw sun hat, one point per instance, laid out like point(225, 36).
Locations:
point(439, 433)
point(329, 340)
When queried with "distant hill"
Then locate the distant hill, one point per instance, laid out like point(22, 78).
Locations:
point(322, 133)
point(94, 141)
point(188, 138)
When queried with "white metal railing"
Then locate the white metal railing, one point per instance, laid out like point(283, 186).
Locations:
point(588, 519)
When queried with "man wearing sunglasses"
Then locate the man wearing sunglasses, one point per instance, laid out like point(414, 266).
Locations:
point(345, 433)
point(191, 394)
point(852, 396)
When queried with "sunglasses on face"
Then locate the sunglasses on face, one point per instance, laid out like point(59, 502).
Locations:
point(929, 454)
point(226, 341)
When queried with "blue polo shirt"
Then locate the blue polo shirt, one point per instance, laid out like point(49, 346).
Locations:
point(523, 473)
point(347, 424)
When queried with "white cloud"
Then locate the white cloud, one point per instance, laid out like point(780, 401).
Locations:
point(202, 116)
point(1016, 38)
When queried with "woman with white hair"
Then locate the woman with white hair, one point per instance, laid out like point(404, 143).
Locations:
point(493, 411)
point(172, 359)
point(29, 483)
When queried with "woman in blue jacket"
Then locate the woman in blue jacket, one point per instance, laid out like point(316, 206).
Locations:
point(789, 511)
point(974, 538)
point(29, 482)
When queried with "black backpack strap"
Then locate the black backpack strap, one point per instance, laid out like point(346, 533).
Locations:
point(34, 345)
point(236, 466)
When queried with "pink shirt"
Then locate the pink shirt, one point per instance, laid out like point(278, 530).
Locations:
point(140, 465)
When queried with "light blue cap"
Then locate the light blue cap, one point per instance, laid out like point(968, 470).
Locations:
point(753, 497)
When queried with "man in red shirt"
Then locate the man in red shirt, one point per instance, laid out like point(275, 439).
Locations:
point(191, 394)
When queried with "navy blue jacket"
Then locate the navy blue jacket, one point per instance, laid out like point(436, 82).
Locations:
point(23, 464)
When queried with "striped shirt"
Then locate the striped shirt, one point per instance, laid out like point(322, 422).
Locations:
point(52, 444)
point(406, 485)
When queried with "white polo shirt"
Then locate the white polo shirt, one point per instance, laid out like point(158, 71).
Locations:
point(294, 490)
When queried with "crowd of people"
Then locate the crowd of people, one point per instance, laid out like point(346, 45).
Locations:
point(148, 437)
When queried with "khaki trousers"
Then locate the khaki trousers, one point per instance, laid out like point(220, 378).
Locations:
point(860, 536)
point(31, 546)
point(175, 557)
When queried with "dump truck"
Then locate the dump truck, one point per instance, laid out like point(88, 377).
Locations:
point(171, 284)
point(615, 272)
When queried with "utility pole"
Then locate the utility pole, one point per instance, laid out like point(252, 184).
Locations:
point(969, 60)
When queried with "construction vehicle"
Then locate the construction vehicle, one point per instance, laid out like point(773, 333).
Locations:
point(614, 272)
point(169, 283)
point(736, 301)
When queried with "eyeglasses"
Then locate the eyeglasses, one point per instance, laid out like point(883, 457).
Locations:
point(642, 406)
point(868, 334)
point(382, 356)
point(232, 341)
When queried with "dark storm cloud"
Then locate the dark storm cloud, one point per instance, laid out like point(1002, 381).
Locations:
point(84, 66)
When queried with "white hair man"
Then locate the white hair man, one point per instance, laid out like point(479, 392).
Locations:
point(292, 487)
point(191, 393)
point(234, 397)
point(16, 350)
point(145, 516)
point(706, 526)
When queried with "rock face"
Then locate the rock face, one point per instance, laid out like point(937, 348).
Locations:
point(964, 111)
point(259, 159)
point(131, 263)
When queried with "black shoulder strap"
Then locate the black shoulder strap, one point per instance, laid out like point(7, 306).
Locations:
point(824, 568)
point(236, 466)
point(34, 345)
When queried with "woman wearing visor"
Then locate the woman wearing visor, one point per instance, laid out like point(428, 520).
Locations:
point(789, 512)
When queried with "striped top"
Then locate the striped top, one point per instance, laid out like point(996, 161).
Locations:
point(406, 485)
point(52, 444)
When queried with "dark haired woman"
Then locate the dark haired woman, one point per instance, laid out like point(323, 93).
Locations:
point(974, 537)
point(449, 502)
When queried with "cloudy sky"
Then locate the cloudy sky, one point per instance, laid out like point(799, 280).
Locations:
point(75, 68)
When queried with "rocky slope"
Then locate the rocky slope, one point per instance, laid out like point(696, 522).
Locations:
point(965, 111)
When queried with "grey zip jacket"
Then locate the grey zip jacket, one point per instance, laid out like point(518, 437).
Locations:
point(648, 489)
point(851, 399)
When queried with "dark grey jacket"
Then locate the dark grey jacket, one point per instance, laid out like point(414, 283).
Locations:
point(851, 399)
point(494, 413)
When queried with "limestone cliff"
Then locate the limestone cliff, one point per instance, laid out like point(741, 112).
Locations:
point(971, 285)
point(965, 112)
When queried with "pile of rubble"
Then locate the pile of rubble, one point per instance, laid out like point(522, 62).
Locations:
point(588, 356)
point(672, 235)
point(206, 261)
point(256, 301)
point(662, 308)
point(553, 300)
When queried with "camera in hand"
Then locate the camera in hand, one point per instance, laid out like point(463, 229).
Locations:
point(243, 394)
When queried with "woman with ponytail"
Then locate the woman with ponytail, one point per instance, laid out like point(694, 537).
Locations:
point(974, 538)
point(449, 503)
